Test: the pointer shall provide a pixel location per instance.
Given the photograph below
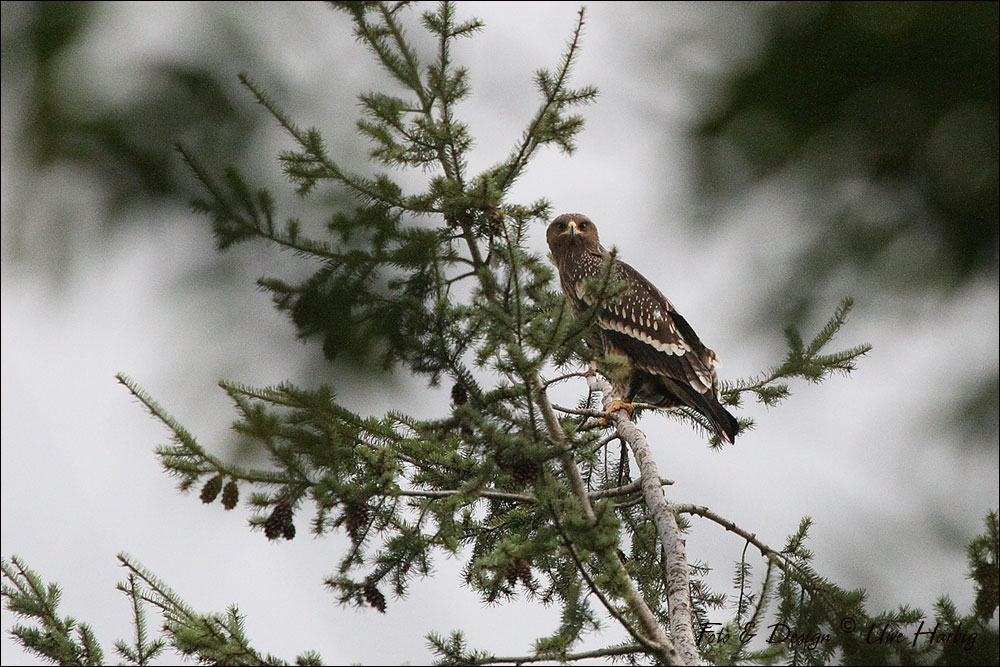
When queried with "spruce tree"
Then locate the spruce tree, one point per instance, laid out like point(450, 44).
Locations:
point(537, 499)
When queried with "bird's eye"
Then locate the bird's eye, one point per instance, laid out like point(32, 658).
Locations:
point(583, 225)
point(562, 225)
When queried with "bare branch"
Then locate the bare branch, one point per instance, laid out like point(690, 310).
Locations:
point(678, 581)
point(561, 378)
point(581, 412)
point(625, 490)
point(484, 493)
point(569, 465)
point(667, 652)
point(628, 649)
point(773, 555)
point(702, 511)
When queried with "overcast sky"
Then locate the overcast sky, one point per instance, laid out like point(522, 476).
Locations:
point(869, 457)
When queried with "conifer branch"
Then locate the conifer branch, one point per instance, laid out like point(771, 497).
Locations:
point(803, 361)
point(313, 164)
point(663, 645)
point(763, 596)
point(606, 440)
point(678, 582)
point(142, 651)
point(483, 493)
point(560, 378)
point(784, 559)
point(406, 68)
point(61, 640)
point(239, 214)
point(211, 638)
point(478, 478)
point(189, 460)
point(570, 468)
point(548, 125)
point(626, 490)
point(597, 414)
point(609, 652)
point(702, 511)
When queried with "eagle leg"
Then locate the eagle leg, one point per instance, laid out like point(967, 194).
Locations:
point(621, 405)
point(615, 406)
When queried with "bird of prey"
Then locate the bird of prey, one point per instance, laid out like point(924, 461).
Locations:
point(670, 367)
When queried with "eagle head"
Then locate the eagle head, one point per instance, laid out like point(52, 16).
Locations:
point(572, 232)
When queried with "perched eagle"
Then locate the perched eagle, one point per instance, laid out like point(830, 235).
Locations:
point(670, 367)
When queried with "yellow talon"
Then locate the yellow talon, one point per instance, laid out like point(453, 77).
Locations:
point(620, 405)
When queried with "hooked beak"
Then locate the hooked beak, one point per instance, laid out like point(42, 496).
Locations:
point(573, 229)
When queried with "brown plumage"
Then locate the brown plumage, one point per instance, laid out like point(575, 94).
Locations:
point(670, 365)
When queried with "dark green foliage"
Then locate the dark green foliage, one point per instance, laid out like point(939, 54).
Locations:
point(453, 651)
point(119, 145)
point(804, 361)
point(812, 606)
point(143, 650)
point(62, 640)
point(214, 639)
point(971, 639)
point(817, 622)
point(984, 565)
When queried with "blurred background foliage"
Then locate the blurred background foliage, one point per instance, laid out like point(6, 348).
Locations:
point(887, 113)
point(121, 145)
point(128, 146)
point(898, 99)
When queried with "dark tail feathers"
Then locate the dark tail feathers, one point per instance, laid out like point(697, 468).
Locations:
point(725, 423)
